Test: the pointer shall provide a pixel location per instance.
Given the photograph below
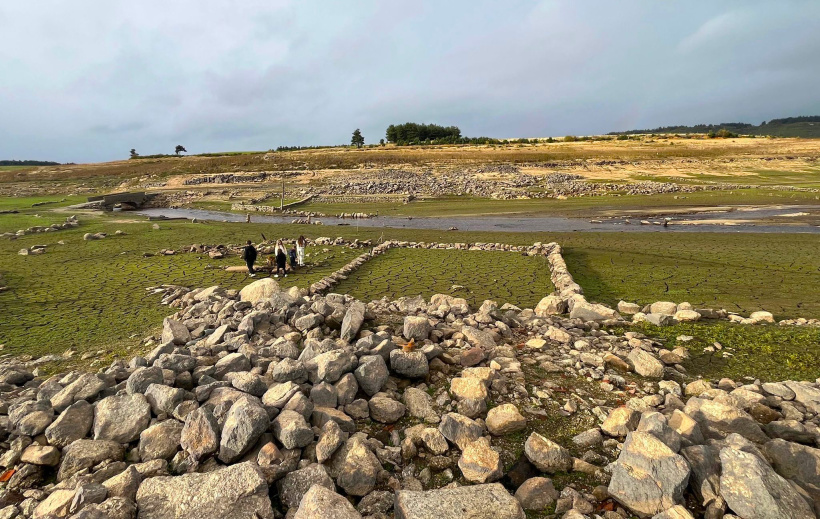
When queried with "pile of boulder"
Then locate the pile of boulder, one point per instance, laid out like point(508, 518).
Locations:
point(69, 223)
point(666, 313)
point(266, 403)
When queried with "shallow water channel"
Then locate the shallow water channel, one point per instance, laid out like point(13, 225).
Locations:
point(739, 220)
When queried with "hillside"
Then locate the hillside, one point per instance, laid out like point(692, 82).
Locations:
point(804, 126)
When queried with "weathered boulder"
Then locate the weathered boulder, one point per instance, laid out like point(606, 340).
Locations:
point(244, 424)
point(160, 441)
point(121, 418)
point(551, 305)
point(505, 419)
point(163, 399)
point(547, 455)
point(358, 468)
point(460, 430)
point(753, 490)
point(621, 421)
point(536, 494)
point(143, 377)
point(648, 477)
point(416, 328)
point(235, 492)
point(200, 435)
point(259, 290)
point(371, 374)
point(292, 430)
point(73, 424)
point(321, 503)
point(85, 387)
point(796, 462)
point(410, 364)
point(488, 501)
point(293, 487)
point(354, 317)
point(386, 410)
point(480, 463)
point(84, 454)
point(645, 364)
point(717, 420)
point(174, 332)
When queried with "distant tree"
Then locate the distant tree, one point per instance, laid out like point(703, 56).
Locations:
point(134, 153)
point(180, 149)
point(381, 142)
point(357, 139)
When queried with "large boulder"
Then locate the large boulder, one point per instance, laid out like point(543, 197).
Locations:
point(85, 387)
point(121, 418)
point(321, 503)
point(293, 487)
point(648, 477)
point(798, 463)
point(460, 430)
point(547, 455)
point(174, 332)
point(259, 290)
point(73, 424)
point(551, 305)
point(753, 490)
point(410, 364)
point(480, 463)
point(717, 420)
point(160, 441)
point(645, 364)
point(371, 374)
point(235, 492)
point(505, 419)
point(245, 423)
point(84, 454)
point(354, 317)
point(200, 435)
point(488, 501)
point(416, 328)
point(358, 468)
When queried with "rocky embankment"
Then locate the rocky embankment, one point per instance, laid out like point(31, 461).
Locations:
point(268, 403)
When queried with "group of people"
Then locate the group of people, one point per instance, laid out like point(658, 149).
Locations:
point(281, 256)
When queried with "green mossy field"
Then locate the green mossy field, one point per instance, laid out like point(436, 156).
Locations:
point(505, 277)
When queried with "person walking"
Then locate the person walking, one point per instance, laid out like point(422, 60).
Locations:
point(249, 255)
point(292, 258)
point(281, 259)
point(301, 243)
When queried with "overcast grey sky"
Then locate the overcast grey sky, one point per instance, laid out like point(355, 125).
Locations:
point(88, 80)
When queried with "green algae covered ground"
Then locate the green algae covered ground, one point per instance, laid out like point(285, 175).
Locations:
point(505, 277)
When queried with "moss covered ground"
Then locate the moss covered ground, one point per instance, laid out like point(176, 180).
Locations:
point(505, 277)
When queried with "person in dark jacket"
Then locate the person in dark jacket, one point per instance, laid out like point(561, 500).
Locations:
point(281, 259)
point(292, 257)
point(249, 255)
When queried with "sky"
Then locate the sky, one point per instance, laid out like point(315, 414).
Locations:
point(88, 80)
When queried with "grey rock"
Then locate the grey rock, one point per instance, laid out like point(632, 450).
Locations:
point(121, 418)
point(245, 423)
point(143, 377)
point(84, 454)
point(460, 430)
point(416, 328)
point(358, 469)
point(293, 487)
point(200, 435)
point(753, 490)
point(386, 410)
point(321, 503)
point(798, 463)
point(235, 492)
point(30, 418)
point(160, 441)
point(488, 501)
point(717, 420)
point(291, 429)
point(648, 477)
point(410, 364)
point(354, 317)
point(174, 332)
point(536, 494)
point(547, 455)
point(480, 463)
point(164, 399)
point(73, 424)
point(371, 374)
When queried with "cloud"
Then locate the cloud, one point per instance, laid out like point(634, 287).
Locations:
point(88, 81)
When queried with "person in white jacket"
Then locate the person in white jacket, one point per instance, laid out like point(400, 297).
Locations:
point(301, 243)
